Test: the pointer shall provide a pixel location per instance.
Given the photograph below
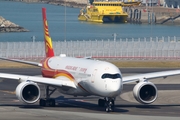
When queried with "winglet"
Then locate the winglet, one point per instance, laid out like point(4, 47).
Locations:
point(47, 39)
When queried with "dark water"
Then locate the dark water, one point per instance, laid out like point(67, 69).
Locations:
point(69, 28)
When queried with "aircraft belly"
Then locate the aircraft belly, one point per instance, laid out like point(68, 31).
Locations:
point(73, 91)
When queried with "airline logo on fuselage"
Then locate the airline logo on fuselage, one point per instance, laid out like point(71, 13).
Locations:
point(75, 68)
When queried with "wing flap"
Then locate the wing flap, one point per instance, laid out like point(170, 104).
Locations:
point(148, 76)
point(42, 80)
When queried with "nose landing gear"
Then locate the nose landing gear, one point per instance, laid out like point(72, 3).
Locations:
point(108, 103)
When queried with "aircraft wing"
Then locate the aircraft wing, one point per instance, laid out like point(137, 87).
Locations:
point(36, 79)
point(22, 61)
point(148, 76)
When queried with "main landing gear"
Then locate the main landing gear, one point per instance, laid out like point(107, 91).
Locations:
point(108, 103)
point(47, 101)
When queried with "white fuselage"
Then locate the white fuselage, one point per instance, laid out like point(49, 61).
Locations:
point(91, 77)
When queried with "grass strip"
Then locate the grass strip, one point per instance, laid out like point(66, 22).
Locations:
point(118, 63)
point(147, 64)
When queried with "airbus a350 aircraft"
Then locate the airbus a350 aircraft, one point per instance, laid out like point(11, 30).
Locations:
point(81, 77)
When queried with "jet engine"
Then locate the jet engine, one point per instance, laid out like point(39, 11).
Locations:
point(28, 92)
point(145, 92)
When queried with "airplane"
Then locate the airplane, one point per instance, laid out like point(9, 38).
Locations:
point(80, 77)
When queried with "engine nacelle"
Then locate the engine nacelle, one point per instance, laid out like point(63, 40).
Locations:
point(145, 92)
point(28, 92)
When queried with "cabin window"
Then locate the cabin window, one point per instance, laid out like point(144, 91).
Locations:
point(111, 76)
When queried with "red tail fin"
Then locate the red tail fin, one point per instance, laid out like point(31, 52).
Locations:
point(47, 39)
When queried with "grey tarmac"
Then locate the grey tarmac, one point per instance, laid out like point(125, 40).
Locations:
point(166, 107)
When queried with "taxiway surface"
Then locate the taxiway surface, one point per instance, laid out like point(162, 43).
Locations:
point(166, 107)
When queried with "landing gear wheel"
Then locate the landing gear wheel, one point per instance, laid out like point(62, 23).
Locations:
point(48, 101)
point(109, 104)
point(101, 102)
point(107, 110)
point(42, 102)
point(51, 102)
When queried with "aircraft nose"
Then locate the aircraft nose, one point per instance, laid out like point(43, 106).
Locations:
point(115, 87)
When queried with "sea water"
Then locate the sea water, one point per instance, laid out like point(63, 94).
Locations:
point(64, 25)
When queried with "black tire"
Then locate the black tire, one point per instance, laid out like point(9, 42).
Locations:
point(107, 109)
point(42, 102)
point(101, 102)
point(52, 102)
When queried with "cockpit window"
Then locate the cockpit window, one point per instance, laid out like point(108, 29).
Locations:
point(111, 76)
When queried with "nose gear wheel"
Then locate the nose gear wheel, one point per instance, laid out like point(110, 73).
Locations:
point(108, 103)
